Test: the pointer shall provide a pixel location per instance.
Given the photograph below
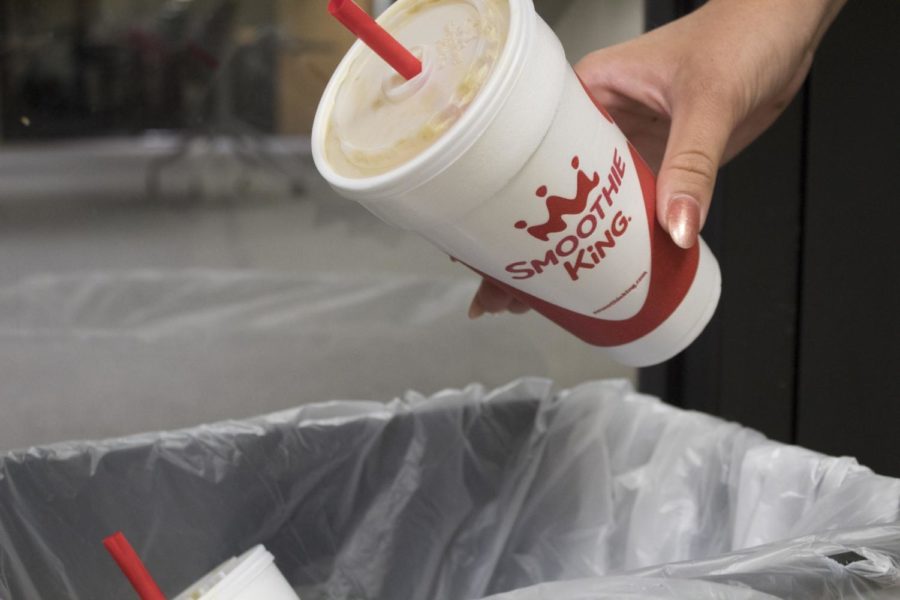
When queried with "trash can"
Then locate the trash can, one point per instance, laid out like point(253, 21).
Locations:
point(520, 493)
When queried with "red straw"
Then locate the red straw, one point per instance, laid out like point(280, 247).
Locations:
point(375, 37)
point(131, 565)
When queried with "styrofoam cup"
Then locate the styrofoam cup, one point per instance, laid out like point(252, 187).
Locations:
point(251, 576)
point(534, 143)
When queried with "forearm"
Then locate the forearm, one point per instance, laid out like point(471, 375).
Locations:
point(808, 19)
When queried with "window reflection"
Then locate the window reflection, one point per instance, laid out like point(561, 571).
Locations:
point(102, 67)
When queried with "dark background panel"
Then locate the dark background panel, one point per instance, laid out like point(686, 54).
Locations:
point(849, 385)
point(743, 365)
point(803, 345)
point(761, 196)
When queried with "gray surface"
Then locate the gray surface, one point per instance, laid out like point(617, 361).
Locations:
point(586, 25)
point(86, 256)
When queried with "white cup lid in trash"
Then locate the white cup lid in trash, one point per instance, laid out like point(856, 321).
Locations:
point(251, 576)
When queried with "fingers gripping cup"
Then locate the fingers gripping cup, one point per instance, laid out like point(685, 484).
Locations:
point(498, 154)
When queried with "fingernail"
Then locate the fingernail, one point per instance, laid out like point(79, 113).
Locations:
point(475, 310)
point(683, 220)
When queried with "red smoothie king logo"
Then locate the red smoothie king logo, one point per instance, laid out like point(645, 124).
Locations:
point(588, 239)
point(557, 206)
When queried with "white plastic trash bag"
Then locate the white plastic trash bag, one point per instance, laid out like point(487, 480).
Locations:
point(596, 492)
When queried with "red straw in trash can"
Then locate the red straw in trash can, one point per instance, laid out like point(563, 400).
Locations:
point(375, 37)
point(132, 567)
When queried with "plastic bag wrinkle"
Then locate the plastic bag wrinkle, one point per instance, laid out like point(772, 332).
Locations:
point(521, 492)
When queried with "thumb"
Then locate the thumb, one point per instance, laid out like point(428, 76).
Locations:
point(697, 140)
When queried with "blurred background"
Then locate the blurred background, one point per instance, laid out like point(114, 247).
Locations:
point(169, 255)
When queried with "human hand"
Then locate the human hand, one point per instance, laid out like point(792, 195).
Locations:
point(692, 94)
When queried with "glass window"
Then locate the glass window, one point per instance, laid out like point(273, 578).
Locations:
point(168, 253)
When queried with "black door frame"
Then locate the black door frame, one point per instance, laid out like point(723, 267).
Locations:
point(805, 344)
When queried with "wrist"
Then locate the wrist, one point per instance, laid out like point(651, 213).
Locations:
point(809, 19)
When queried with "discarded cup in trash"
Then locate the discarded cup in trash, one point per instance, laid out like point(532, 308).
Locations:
point(251, 576)
point(132, 567)
point(497, 154)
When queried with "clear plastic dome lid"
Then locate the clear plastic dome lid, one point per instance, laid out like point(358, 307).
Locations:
point(380, 120)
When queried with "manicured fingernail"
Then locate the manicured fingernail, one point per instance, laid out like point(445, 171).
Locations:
point(683, 220)
point(475, 310)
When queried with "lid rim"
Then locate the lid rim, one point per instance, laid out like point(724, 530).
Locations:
point(436, 158)
point(247, 567)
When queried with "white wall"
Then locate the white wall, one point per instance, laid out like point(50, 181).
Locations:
point(587, 25)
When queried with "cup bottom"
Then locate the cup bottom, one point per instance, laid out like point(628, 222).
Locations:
point(684, 325)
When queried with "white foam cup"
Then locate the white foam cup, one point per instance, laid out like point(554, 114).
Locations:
point(251, 576)
point(537, 189)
